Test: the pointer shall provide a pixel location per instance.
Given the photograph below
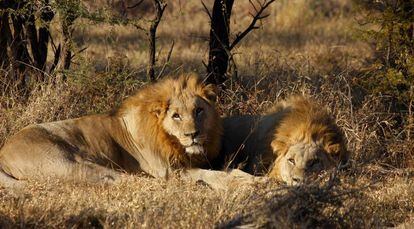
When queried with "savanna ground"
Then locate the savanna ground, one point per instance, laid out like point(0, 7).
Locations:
point(303, 47)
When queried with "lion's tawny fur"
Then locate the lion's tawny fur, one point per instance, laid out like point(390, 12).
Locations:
point(154, 99)
point(257, 143)
point(307, 120)
point(130, 139)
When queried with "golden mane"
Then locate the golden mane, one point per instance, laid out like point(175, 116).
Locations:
point(296, 138)
point(305, 121)
point(151, 103)
point(142, 135)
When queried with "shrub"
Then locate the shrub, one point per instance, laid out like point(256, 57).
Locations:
point(388, 24)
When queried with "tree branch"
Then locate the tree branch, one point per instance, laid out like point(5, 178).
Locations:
point(135, 5)
point(258, 16)
point(207, 11)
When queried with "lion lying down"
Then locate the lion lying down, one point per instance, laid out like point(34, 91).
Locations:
point(295, 141)
point(169, 125)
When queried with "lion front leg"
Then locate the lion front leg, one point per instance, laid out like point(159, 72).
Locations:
point(94, 173)
point(221, 180)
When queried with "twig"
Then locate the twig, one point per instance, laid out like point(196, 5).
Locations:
point(207, 11)
point(166, 61)
point(33, 67)
point(135, 5)
point(252, 25)
point(139, 27)
point(78, 52)
point(56, 58)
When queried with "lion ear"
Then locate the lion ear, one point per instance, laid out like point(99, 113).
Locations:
point(278, 147)
point(334, 149)
point(210, 93)
point(338, 152)
point(156, 111)
point(158, 108)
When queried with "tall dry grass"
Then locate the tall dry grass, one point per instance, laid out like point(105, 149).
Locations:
point(303, 47)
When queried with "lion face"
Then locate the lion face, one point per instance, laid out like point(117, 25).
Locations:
point(304, 162)
point(307, 142)
point(189, 119)
point(174, 120)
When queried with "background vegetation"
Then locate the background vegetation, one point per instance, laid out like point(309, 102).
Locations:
point(354, 57)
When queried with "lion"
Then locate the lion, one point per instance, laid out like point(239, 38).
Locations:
point(294, 142)
point(166, 126)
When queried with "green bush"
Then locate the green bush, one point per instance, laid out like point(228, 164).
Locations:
point(388, 24)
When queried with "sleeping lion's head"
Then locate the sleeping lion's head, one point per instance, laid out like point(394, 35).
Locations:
point(306, 143)
point(177, 118)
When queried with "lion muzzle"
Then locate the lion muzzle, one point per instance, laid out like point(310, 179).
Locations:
point(194, 149)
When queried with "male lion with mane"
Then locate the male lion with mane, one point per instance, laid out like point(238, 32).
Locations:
point(172, 124)
point(294, 142)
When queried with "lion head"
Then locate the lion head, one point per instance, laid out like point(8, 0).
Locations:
point(306, 142)
point(189, 118)
point(179, 119)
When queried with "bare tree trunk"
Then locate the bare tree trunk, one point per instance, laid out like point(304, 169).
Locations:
point(5, 38)
point(32, 36)
point(159, 10)
point(39, 38)
point(219, 41)
point(151, 55)
point(66, 57)
point(46, 15)
point(220, 46)
point(18, 29)
point(21, 57)
point(67, 18)
point(66, 53)
point(410, 118)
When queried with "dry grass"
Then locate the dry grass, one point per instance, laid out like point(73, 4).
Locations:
point(304, 46)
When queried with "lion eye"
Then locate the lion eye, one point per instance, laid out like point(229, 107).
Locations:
point(198, 111)
point(176, 116)
point(292, 161)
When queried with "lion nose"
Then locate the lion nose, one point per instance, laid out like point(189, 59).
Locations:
point(192, 134)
